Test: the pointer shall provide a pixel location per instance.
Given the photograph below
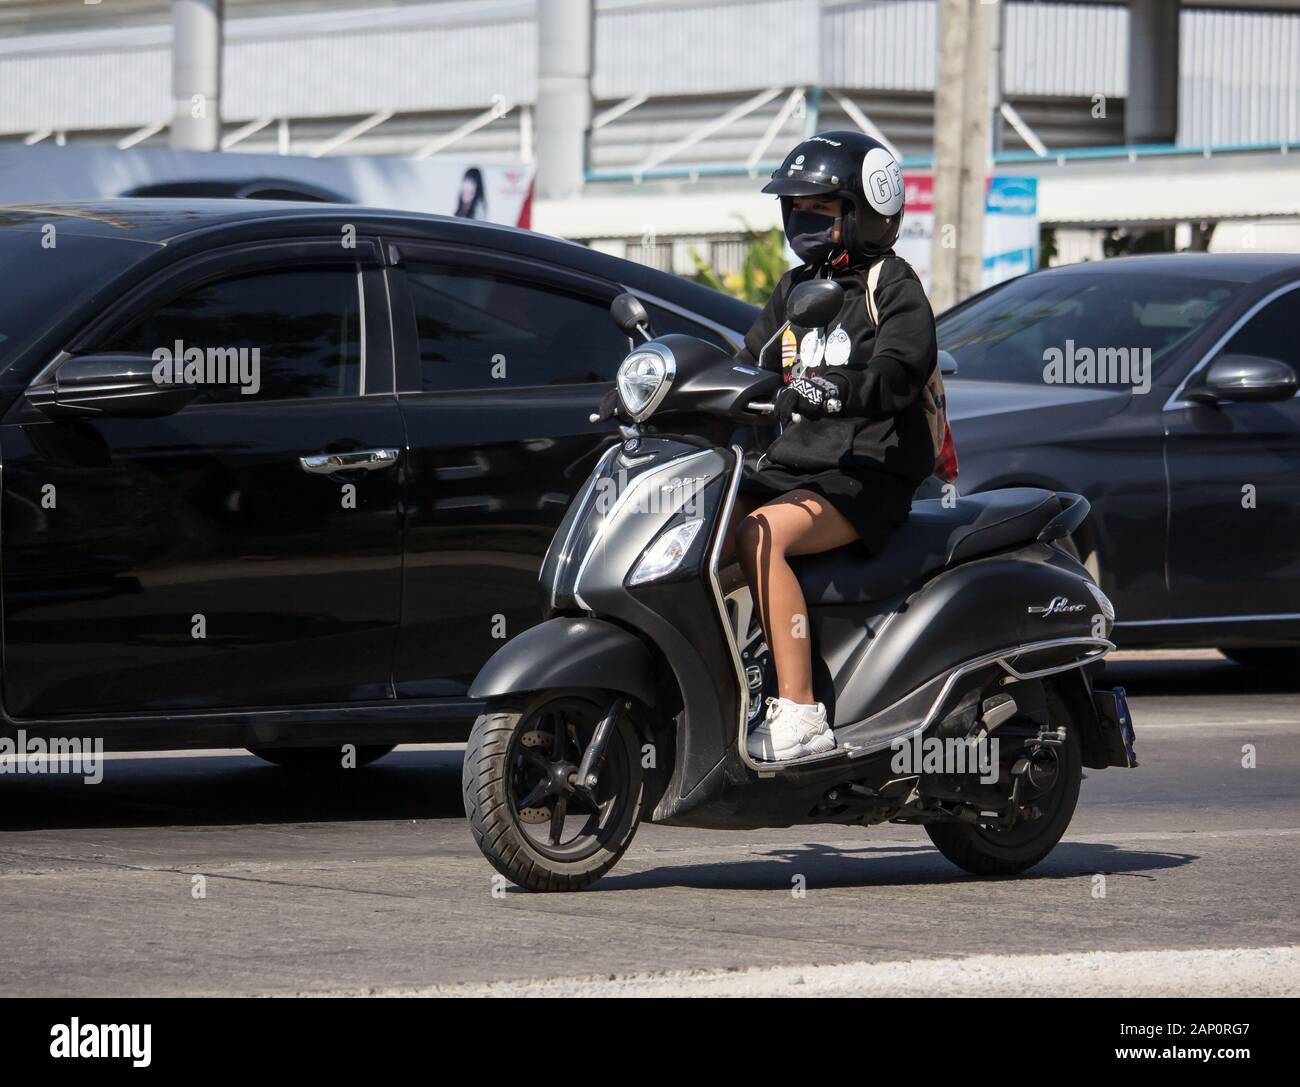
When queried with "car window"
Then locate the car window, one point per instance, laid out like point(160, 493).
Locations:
point(283, 334)
point(478, 330)
point(1271, 333)
point(663, 321)
point(1011, 333)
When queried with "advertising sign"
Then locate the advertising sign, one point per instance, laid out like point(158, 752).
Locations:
point(1010, 226)
point(497, 193)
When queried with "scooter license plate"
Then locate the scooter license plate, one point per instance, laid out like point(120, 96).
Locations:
point(1117, 723)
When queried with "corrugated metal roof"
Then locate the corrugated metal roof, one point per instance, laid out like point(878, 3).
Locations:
point(1239, 77)
point(444, 56)
point(1066, 49)
point(884, 44)
point(666, 47)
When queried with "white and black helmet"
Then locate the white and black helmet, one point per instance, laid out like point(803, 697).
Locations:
point(850, 165)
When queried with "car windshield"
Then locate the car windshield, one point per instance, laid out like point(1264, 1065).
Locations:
point(47, 272)
point(1108, 317)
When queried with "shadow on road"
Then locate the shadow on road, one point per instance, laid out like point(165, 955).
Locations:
point(1188, 677)
point(884, 866)
point(234, 790)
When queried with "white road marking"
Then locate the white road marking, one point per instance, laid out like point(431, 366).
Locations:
point(1260, 971)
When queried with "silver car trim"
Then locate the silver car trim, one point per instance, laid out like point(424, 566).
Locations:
point(737, 340)
point(361, 323)
point(1285, 615)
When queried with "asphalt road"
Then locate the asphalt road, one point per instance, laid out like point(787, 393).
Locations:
point(370, 882)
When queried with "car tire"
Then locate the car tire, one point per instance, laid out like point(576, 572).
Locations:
point(1270, 656)
point(319, 758)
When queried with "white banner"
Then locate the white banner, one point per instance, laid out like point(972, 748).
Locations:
point(499, 193)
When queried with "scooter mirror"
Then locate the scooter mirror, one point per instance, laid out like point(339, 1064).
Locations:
point(815, 304)
point(629, 314)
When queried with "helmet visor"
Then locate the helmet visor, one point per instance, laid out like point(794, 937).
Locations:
point(799, 186)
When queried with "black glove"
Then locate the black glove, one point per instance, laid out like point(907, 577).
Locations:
point(608, 406)
point(813, 397)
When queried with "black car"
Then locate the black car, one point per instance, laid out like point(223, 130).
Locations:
point(1192, 464)
point(282, 474)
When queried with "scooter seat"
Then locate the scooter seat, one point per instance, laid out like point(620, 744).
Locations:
point(933, 536)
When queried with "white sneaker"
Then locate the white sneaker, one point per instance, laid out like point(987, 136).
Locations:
point(790, 730)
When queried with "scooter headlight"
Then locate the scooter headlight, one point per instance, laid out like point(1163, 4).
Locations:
point(644, 378)
point(663, 556)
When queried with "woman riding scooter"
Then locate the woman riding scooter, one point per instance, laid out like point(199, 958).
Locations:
point(856, 441)
point(967, 628)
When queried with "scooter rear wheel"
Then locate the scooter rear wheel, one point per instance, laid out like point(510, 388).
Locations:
point(986, 851)
point(535, 824)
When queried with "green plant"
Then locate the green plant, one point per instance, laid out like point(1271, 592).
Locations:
point(763, 266)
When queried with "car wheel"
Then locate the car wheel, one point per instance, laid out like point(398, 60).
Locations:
point(319, 758)
point(1272, 656)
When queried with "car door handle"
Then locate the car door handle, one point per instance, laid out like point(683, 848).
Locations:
point(365, 460)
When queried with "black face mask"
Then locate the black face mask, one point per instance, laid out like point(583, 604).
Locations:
point(811, 235)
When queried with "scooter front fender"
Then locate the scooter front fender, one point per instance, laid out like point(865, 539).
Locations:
point(568, 652)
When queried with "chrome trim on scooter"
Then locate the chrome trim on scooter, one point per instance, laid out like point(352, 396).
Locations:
point(1099, 651)
point(1099, 648)
point(563, 557)
point(715, 562)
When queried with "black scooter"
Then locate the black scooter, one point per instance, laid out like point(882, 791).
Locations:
point(956, 666)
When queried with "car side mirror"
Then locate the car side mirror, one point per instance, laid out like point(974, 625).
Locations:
point(90, 385)
point(815, 304)
point(1244, 377)
point(630, 315)
point(947, 364)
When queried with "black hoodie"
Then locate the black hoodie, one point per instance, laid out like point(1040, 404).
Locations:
point(882, 425)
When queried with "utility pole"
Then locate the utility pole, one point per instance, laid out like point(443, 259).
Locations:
point(563, 115)
point(962, 147)
point(196, 75)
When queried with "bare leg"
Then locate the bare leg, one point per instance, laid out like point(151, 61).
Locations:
point(798, 523)
point(745, 505)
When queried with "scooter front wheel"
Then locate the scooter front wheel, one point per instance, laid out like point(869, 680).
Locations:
point(536, 823)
